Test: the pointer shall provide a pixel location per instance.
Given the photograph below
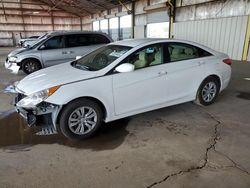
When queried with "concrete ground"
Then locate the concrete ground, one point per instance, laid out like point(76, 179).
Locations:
point(180, 146)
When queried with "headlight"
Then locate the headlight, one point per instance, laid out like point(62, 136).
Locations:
point(32, 100)
point(12, 59)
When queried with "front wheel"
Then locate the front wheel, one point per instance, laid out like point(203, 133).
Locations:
point(80, 119)
point(208, 91)
point(30, 65)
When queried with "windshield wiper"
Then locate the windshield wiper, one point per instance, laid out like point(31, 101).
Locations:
point(80, 66)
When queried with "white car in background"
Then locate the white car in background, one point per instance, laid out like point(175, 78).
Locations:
point(31, 38)
point(119, 80)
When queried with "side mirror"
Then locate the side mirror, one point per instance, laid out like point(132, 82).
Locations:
point(125, 67)
point(78, 57)
point(42, 47)
point(25, 45)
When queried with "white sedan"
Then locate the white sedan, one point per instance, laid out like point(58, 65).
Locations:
point(119, 80)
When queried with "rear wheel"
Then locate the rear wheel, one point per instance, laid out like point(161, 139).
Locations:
point(30, 65)
point(208, 91)
point(80, 119)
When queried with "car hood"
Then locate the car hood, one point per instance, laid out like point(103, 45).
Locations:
point(18, 51)
point(52, 76)
point(31, 42)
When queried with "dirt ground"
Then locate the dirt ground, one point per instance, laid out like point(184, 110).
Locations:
point(180, 146)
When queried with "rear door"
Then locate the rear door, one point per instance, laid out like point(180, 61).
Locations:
point(75, 45)
point(52, 51)
point(82, 44)
point(184, 70)
point(95, 41)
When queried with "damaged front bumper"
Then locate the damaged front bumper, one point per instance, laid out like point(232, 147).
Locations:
point(13, 67)
point(43, 116)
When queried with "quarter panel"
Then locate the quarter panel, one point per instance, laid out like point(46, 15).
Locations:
point(211, 67)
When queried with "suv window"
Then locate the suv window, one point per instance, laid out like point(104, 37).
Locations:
point(181, 51)
point(98, 39)
point(148, 56)
point(76, 40)
point(54, 43)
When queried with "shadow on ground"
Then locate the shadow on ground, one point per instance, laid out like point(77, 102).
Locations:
point(16, 136)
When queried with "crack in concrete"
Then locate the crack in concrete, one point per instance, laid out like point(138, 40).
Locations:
point(214, 139)
point(235, 164)
point(225, 167)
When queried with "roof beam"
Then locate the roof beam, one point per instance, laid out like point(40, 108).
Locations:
point(4, 13)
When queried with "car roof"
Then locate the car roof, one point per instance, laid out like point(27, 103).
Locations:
point(54, 33)
point(144, 41)
point(59, 33)
point(137, 42)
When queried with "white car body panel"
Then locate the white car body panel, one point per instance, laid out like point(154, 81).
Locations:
point(139, 89)
point(58, 75)
point(125, 94)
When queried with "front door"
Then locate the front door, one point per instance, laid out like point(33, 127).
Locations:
point(145, 87)
point(52, 51)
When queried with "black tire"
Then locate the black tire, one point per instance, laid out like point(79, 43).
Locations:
point(201, 94)
point(69, 111)
point(30, 65)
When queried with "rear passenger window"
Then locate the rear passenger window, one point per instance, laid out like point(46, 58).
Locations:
point(76, 40)
point(71, 41)
point(98, 39)
point(83, 40)
point(181, 51)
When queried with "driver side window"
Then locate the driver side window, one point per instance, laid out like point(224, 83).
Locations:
point(149, 56)
point(54, 43)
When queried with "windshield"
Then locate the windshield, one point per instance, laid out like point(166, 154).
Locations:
point(37, 43)
point(101, 57)
point(34, 44)
point(42, 36)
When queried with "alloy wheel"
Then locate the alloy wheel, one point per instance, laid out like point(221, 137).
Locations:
point(209, 92)
point(82, 120)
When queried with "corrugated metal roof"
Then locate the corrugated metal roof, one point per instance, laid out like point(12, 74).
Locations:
point(84, 7)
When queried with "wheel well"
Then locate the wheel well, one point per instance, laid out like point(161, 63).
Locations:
point(90, 98)
point(213, 76)
point(217, 78)
point(31, 58)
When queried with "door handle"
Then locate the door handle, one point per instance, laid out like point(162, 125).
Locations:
point(162, 73)
point(68, 52)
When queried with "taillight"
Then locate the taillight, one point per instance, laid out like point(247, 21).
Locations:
point(227, 61)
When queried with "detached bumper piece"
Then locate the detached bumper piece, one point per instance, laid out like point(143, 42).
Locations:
point(46, 131)
point(29, 117)
point(13, 67)
point(44, 117)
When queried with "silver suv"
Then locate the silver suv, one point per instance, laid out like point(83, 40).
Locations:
point(53, 49)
